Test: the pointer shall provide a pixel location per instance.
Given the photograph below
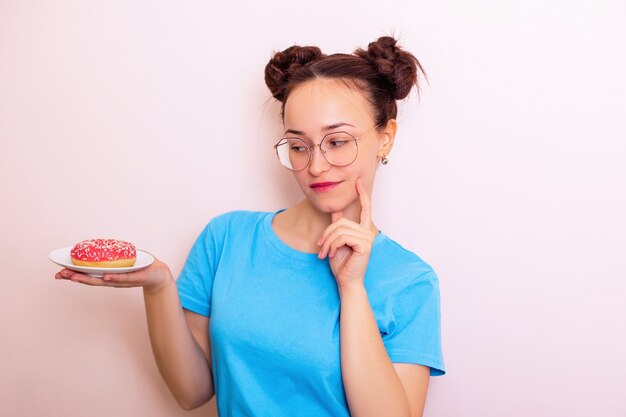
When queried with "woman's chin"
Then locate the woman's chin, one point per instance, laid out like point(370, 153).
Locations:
point(330, 207)
point(326, 207)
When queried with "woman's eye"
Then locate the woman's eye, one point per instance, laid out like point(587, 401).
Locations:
point(298, 148)
point(336, 143)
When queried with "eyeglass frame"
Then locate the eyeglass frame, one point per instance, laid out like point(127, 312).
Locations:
point(311, 148)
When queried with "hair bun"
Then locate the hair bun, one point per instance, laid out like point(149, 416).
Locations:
point(395, 65)
point(286, 63)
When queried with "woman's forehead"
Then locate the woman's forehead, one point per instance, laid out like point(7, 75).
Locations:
point(317, 105)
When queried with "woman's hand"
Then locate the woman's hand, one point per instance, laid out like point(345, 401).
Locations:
point(152, 278)
point(348, 244)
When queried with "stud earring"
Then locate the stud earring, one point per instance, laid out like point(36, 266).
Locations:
point(384, 160)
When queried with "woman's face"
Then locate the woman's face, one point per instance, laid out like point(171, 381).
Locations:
point(322, 106)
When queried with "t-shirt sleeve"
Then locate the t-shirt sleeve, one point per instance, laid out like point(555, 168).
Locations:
point(195, 282)
point(415, 334)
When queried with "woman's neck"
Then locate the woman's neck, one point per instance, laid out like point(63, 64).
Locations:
point(305, 220)
point(301, 226)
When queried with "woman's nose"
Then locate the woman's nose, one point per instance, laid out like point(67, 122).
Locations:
point(319, 164)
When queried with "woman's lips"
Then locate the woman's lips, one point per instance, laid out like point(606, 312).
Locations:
point(324, 186)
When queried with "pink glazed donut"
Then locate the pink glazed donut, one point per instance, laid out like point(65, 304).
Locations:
point(104, 253)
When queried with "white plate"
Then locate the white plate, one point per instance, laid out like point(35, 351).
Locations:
point(62, 257)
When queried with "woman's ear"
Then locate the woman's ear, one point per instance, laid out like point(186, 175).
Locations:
point(387, 136)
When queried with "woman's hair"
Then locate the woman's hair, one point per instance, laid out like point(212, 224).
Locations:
point(384, 73)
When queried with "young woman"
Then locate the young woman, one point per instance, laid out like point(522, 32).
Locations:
point(308, 311)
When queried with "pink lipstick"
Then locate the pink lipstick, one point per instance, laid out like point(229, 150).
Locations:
point(324, 186)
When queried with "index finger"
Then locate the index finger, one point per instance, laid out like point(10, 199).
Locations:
point(366, 204)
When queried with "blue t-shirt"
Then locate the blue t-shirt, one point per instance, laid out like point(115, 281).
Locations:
point(274, 312)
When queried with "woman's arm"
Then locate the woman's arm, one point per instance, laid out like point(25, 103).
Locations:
point(180, 343)
point(374, 386)
point(179, 338)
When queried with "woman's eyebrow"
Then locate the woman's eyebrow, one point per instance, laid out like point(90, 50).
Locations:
point(295, 132)
point(324, 128)
point(335, 126)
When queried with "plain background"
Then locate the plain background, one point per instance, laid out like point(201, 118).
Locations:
point(141, 120)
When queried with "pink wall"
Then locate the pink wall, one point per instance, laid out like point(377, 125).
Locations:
point(142, 120)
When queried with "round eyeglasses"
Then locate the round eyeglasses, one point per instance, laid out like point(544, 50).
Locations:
point(338, 148)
